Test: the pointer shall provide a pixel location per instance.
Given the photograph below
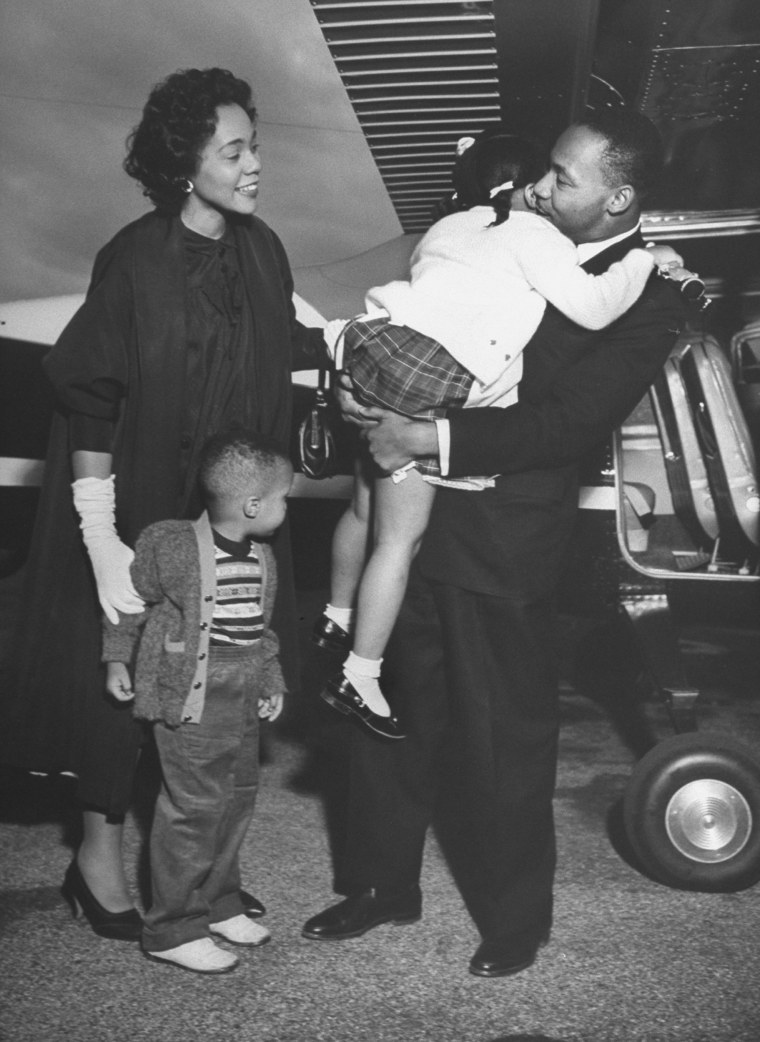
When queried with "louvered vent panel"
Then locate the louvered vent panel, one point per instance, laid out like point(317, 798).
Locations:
point(419, 75)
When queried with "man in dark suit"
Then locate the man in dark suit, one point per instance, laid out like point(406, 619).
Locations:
point(471, 662)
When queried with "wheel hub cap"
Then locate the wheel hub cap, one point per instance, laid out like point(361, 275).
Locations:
point(708, 820)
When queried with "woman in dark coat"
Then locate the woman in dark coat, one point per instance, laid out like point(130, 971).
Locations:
point(188, 327)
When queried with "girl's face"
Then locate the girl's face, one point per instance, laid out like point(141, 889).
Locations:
point(524, 199)
point(226, 179)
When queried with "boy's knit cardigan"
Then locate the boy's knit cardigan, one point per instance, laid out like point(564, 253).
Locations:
point(174, 571)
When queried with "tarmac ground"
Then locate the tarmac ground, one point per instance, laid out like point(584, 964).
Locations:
point(630, 959)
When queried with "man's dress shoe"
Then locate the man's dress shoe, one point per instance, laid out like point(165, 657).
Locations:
point(330, 636)
point(362, 912)
point(503, 958)
point(252, 907)
point(343, 696)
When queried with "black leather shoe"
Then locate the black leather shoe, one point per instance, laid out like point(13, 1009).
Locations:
point(330, 636)
point(506, 957)
point(254, 909)
point(116, 926)
point(343, 696)
point(362, 912)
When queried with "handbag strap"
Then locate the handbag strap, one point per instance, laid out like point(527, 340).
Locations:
point(324, 384)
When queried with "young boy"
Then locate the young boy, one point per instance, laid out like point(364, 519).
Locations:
point(206, 669)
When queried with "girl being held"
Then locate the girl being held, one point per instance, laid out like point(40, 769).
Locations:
point(452, 335)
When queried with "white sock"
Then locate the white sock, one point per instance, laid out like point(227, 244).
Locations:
point(343, 617)
point(363, 673)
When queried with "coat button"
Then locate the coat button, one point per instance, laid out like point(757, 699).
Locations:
point(210, 597)
point(197, 685)
point(204, 625)
point(202, 656)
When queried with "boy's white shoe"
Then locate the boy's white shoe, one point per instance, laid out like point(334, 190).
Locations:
point(201, 956)
point(241, 930)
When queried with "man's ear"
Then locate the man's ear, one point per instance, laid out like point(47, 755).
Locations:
point(251, 506)
point(621, 200)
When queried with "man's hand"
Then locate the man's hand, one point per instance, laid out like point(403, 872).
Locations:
point(351, 410)
point(396, 440)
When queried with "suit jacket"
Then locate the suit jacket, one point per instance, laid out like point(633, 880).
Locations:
point(577, 387)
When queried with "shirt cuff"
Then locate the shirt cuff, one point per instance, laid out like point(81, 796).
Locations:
point(444, 445)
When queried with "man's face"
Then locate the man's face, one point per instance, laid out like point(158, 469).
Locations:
point(573, 193)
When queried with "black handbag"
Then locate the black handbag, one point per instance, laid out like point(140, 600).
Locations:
point(317, 442)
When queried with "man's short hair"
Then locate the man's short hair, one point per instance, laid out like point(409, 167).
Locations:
point(634, 153)
point(237, 462)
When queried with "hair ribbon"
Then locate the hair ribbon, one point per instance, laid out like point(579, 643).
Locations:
point(501, 188)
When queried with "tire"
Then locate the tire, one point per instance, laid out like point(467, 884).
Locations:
point(692, 813)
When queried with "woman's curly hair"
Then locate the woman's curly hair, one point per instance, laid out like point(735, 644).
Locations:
point(178, 119)
point(493, 159)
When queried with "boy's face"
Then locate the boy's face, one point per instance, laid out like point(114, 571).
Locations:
point(273, 504)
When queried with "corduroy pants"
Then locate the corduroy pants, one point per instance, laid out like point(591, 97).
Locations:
point(210, 775)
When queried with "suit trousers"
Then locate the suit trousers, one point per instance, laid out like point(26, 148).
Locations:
point(210, 775)
point(474, 682)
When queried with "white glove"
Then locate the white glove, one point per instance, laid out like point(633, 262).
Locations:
point(95, 502)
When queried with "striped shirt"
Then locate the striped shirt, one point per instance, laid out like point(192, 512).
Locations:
point(238, 619)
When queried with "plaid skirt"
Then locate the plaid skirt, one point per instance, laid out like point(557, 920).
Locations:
point(400, 369)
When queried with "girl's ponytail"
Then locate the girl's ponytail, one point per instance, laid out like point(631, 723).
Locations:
point(501, 200)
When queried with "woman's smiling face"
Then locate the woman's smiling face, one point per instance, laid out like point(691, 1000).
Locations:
point(226, 179)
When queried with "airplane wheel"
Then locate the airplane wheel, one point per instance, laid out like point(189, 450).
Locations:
point(692, 813)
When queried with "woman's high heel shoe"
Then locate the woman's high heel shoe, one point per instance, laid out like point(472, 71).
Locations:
point(117, 926)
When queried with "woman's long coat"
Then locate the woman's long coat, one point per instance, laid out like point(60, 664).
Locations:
point(56, 716)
